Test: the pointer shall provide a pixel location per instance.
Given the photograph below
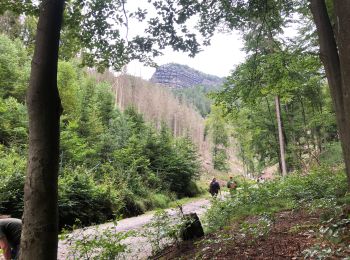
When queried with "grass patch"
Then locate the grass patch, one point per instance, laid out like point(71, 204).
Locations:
point(159, 200)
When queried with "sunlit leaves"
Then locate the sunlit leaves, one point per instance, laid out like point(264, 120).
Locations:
point(14, 68)
point(97, 31)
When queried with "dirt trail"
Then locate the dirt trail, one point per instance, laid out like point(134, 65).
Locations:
point(140, 248)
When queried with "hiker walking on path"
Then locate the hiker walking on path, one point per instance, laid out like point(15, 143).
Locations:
point(232, 184)
point(10, 237)
point(214, 188)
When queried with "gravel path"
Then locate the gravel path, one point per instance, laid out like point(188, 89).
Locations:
point(140, 248)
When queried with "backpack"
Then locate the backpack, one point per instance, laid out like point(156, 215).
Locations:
point(232, 185)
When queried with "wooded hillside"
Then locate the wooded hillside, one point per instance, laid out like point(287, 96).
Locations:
point(158, 105)
point(111, 162)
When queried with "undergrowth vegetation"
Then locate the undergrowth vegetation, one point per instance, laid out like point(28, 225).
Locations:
point(323, 193)
point(103, 243)
point(112, 162)
point(294, 191)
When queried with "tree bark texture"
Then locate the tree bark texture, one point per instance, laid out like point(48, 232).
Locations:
point(281, 136)
point(335, 55)
point(274, 133)
point(40, 219)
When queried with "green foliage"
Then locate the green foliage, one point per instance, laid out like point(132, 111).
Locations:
point(317, 252)
point(159, 200)
point(333, 230)
point(217, 127)
point(159, 231)
point(105, 243)
point(111, 162)
point(74, 148)
point(277, 195)
point(195, 96)
point(67, 82)
point(10, 25)
point(82, 198)
point(12, 165)
point(164, 229)
point(260, 228)
point(14, 122)
point(307, 115)
point(180, 167)
point(137, 165)
point(220, 159)
point(98, 31)
point(332, 154)
point(17, 26)
point(14, 68)
point(130, 204)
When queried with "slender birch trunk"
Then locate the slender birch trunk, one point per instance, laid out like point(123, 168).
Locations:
point(280, 136)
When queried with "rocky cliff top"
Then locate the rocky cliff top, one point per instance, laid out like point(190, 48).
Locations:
point(181, 76)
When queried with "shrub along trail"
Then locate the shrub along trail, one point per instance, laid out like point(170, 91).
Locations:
point(292, 232)
point(296, 217)
point(140, 249)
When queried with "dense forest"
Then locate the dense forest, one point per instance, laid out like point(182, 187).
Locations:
point(112, 163)
point(187, 113)
point(293, 83)
point(158, 105)
point(80, 146)
point(197, 96)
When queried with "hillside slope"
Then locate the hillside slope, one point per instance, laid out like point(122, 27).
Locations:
point(157, 104)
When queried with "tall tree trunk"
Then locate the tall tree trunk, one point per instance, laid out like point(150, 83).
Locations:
point(274, 133)
point(40, 220)
point(307, 137)
point(335, 56)
point(280, 136)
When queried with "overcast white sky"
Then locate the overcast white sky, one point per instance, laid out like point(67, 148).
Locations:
point(217, 59)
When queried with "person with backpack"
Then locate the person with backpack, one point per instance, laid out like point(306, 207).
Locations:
point(231, 184)
point(214, 188)
point(10, 237)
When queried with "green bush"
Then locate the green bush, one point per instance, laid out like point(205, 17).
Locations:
point(192, 189)
point(11, 195)
point(13, 118)
point(80, 198)
point(12, 165)
point(220, 159)
point(179, 165)
point(14, 68)
point(159, 200)
point(128, 204)
point(103, 243)
point(332, 154)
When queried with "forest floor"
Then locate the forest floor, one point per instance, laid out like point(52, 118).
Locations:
point(292, 235)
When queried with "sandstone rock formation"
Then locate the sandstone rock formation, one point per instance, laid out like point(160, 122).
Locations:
point(181, 76)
